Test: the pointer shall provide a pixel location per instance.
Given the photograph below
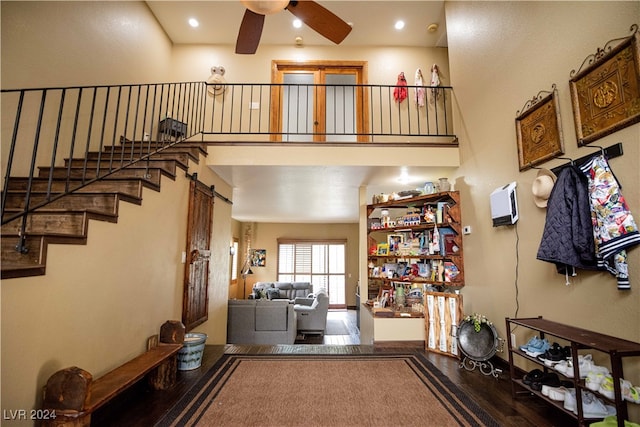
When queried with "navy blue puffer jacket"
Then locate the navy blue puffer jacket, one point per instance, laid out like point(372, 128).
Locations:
point(567, 239)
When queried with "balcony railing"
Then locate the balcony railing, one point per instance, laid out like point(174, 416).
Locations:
point(42, 129)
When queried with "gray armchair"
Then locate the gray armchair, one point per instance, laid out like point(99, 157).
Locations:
point(311, 313)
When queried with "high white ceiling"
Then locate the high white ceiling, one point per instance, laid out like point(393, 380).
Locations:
point(322, 194)
point(373, 23)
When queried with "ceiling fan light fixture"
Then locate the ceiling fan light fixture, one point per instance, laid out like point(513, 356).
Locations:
point(265, 7)
point(297, 23)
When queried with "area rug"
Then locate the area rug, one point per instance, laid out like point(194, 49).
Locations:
point(325, 390)
point(336, 327)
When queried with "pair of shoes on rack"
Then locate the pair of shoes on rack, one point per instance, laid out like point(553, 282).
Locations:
point(555, 393)
point(612, 421)
point(585, 365)
point(536, 346)
point(533, 341)
point(547, 379)
point(592, 407)
point(629, 392)
point(595, 377)
point(555, 354)
point(532, 376)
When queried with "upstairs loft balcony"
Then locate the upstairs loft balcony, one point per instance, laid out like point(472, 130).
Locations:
point(108, 128)
point(231, 113)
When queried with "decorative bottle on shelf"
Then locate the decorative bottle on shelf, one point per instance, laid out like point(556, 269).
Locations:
point(444, 184)
point(429, 188)
point(399, 295)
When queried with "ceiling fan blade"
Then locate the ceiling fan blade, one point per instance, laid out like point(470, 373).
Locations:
point(250, 33)
point(320, 19)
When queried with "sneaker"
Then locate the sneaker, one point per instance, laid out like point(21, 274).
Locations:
point(533, 342)
point(595, 376)
point(606, 387)
point(570, 399)
point(629, 392)
point(533, 376)
point(548, 379)
point(554, 393)
point(612, 421)
point(592, 407)
point(585, 364)
point(540, 348)
point(553, 355)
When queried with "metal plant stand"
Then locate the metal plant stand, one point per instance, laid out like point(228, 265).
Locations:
point(478, 347)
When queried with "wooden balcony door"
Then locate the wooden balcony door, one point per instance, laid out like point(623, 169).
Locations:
point(302, 111)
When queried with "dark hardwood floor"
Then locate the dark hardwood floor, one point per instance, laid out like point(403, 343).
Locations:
point(141, 407)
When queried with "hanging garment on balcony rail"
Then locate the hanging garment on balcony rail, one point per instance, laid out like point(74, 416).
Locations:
point(420, 95)
point(435, 81)
point(400, 91)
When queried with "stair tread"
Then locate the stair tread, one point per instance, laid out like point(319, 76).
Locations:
point(125, 153)
point(69, 223)
point(125, 162)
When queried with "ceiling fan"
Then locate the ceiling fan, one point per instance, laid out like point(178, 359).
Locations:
point(311, 13)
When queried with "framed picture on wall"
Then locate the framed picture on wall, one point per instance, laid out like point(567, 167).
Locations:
point(538, 130)
point(383, 249)
point(605, 95)
point(258, 257)
point(394, 241)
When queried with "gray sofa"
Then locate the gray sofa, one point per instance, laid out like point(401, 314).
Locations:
point(312, 313)
point(261, 322)
point(282, 290)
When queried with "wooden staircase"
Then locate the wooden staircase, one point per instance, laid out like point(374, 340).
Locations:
point(66, 219)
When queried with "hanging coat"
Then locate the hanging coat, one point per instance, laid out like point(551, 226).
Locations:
point(400, 91)
point(567, 239)
point(419, 90)
point(613, 226)
point(435, 81)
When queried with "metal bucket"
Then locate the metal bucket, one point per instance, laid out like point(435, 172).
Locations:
point(190, 355)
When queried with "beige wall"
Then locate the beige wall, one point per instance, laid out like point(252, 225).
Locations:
point(384, 64)
point(68, 43)
point(265, 235)
point(501, 55)
point(98, 303)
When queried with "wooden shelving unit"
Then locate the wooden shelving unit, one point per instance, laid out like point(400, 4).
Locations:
point(418, 220)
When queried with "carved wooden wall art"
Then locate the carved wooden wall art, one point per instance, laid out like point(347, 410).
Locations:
point(538, 130)
point(606, 94)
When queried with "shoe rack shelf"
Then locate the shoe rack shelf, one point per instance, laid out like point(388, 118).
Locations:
point(578, 339)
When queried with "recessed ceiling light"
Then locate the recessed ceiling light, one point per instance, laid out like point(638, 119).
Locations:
point(399, 25)
point(297, 23)
point(193, 22)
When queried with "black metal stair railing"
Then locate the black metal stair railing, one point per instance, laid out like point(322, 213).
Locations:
point(47, 132)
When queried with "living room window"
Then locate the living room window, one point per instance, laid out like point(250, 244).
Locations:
point(320, 262)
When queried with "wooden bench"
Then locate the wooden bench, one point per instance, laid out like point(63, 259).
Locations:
point(71, 395)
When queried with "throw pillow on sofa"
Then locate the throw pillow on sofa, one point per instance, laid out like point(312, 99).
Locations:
point(273, 293)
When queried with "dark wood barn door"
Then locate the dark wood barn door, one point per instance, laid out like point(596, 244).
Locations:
point(195, 299)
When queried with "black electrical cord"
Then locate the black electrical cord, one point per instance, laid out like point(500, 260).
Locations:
point(517, 265)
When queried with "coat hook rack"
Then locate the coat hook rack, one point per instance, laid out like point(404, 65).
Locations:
point(610, 152)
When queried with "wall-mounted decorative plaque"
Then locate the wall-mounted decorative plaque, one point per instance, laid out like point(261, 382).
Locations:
point(538, 129)
point(605, 91)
